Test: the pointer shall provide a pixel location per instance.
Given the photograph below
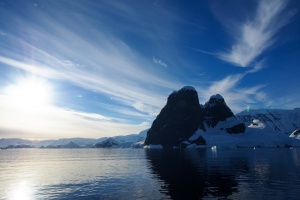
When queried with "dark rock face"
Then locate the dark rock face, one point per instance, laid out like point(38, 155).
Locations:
point(216, 110)
point(239, 128)
point(178, 120)
point(182, 116)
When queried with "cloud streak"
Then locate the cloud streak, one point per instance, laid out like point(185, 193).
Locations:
point(256, 35)
point(159, 62)
point(236, 97)
point(100, 63)
point(56, 47)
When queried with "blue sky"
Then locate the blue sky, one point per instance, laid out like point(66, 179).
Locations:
point(104, 68)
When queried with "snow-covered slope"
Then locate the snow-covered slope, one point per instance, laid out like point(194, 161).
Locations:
point(275, 120)
point(143, 134)
point(64, 141)
point(108, 143)
point(141, 140)
point(70, 145)
point(257, 134)
point(126, 138)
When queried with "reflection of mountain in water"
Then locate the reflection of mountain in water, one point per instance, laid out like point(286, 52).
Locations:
point(187, 174)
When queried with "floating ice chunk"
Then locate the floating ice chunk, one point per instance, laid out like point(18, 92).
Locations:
point(214, 148)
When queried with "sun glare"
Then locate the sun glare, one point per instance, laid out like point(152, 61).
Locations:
point(30, 92)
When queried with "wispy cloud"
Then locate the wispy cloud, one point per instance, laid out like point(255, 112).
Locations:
point(257, 66)
point(94, 58)
point(99, 62)
point(159, 62)
point(257, 34)
point(236, 97)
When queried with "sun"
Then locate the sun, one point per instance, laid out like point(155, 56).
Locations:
point(30, 92)
point(27, 105)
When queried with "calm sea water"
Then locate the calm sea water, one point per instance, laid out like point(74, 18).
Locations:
point(150, 174)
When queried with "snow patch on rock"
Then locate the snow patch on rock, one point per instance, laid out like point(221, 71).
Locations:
point(138, 145)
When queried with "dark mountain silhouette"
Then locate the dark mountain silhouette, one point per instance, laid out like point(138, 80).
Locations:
point(183, 115)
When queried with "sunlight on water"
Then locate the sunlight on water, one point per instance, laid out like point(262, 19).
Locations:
point(149, 174)
point(22, 190)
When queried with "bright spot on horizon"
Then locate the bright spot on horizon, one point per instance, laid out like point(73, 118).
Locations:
point(30, 92)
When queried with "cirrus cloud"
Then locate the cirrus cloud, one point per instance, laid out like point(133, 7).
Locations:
point(257, 34)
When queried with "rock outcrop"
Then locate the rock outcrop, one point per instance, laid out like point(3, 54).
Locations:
point(183, 115)
point(216, 112)
point(178, 120)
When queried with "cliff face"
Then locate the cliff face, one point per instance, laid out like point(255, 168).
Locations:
point(178, 120)
point(182, 116)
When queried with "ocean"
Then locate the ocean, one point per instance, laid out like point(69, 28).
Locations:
point(217, 173)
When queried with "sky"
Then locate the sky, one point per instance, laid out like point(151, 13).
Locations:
point(91, 69)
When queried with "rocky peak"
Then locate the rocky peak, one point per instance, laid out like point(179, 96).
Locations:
point(215, 100)
point(216, 110)
point(186, 95)
point(178, 120)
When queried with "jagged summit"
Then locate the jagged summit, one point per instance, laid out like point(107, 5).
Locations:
point(178, 120)
point(216, 110)
point(215, 100)
point(188, 88)
point(187, 93)
point(217, 96)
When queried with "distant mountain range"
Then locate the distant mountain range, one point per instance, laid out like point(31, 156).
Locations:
point(122, 141)
point(184, 123)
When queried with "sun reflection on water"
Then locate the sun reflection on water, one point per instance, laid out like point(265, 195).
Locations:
point(23, 190)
